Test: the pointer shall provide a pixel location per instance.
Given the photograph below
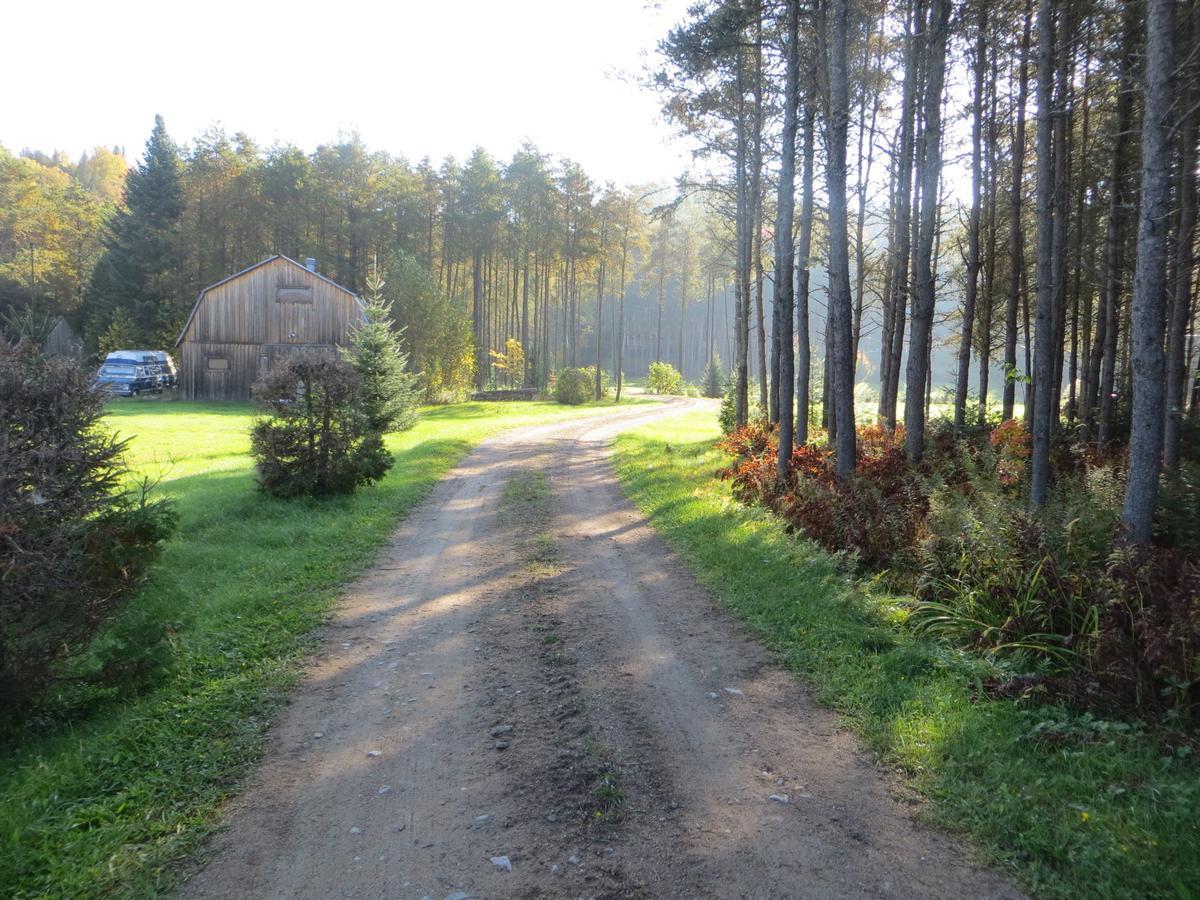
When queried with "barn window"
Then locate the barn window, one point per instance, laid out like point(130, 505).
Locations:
point(293, 294)
point(217, 363)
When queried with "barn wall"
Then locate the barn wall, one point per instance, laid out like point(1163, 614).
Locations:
point(245, 310)
point(256, 318)
point(198, 382)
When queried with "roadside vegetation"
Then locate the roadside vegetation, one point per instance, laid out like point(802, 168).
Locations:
point(1062, 796)
point(120, 770)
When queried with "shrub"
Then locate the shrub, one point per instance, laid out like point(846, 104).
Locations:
point(75, 538)
point(1046, 598)
point(876, 515)
point(664, 378)
point(316, 439)
point(574, 386)
point(1013, 446)
point(1147, 648)
point(727, 415)
point(511, 362)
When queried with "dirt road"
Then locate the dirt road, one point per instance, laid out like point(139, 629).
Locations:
point(530, 696)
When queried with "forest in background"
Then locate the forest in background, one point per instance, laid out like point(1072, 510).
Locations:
point(532, 249)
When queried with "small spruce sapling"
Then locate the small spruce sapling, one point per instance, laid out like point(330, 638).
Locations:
point(712, 382)
point(388, 392)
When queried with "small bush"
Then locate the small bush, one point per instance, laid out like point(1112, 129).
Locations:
point(664, 378)
point(316, 439)
point(75, 539)
point(574, 386)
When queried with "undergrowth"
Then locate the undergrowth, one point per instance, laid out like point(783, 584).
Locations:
point(1072, 803)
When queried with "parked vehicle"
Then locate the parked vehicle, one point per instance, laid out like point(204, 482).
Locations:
point(128, 373)
point(167, 374)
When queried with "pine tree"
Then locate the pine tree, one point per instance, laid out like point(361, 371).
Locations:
point(713, 380)
point(387, 391)
point(143, 260)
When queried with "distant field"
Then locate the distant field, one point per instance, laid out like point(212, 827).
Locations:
point(117, 783)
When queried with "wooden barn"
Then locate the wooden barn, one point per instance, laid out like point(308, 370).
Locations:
point(240, 326)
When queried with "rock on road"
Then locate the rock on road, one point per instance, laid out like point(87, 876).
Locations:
point(529, 695)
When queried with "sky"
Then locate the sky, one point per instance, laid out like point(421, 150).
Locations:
point(413, 77)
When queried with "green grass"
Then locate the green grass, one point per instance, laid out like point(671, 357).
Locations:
point(113, 785)
point(1070, 805)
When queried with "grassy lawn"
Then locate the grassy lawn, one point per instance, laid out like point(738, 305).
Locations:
point(1071, 805)
point(114, 784)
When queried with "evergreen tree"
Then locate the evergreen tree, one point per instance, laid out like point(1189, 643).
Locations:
point(387, 394)
point(142, 264)
point(713, 380)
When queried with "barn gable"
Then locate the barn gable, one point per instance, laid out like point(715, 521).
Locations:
point(242, 324)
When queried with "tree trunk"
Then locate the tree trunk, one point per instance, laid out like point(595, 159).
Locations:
point(599, 379)
point(989, 278)
point(784, 249)
point(900, 250)
point(972, 274)
point(1062, 194)
point(1150, 279)
point(1181, 310)
point(923, 296)
point(840, 300)
point(742, 274)
point(1080, 200)
point(1016, 239)
point(1043, 361)
point(756, 211)
point(803, 348)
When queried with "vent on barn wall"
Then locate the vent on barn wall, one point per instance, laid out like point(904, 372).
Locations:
point(310, 264)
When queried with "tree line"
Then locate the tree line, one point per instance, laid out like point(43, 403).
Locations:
point(473, 253)
point(1020, 174)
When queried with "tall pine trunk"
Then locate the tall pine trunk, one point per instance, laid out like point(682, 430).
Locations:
point(923, 295)
point(1102, 366)
point(900, 249)
point(1016, 233)
point(1181, 310)
point(784, 249)
point(1149, 280)
point(803, 347)
point(842, 363)
point(972, 274)
point(1043, 360)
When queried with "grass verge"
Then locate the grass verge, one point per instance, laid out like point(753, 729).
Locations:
point(1071, 805)
point(113, 783)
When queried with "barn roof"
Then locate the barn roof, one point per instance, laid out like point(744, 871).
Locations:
point(228, 278)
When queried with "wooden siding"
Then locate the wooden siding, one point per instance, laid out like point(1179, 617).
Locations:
point(257, 317)
point(198, 382)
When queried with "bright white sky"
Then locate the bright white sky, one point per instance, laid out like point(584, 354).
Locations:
point(414, 77)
